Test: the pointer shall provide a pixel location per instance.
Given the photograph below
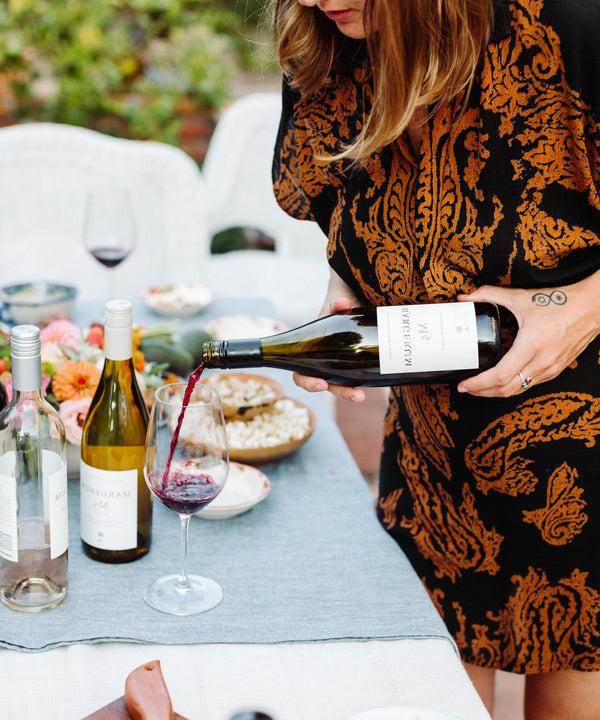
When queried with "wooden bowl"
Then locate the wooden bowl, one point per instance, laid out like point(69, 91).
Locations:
point(247, 411)
point(260, 456)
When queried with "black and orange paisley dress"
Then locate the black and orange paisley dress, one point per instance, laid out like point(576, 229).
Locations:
point(496, 502)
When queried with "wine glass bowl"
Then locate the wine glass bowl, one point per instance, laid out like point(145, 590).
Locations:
point(186, 465)
point(109, 230)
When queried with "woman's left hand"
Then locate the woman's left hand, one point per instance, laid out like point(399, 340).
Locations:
point(555, 326)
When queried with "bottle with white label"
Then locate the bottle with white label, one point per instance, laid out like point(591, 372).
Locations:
point(34, 531)
point(116, 509)
point(398, 345)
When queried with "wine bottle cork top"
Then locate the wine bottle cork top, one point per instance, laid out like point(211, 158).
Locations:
point(118, 314)
point(25, 341)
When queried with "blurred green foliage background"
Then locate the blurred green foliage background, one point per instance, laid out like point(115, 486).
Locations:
point(149, 69)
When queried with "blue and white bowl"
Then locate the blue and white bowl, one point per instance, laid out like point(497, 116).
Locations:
point(35, 302)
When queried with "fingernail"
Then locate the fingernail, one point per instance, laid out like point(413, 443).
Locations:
point(461, 389)
point(319, 385)
point(356, 397)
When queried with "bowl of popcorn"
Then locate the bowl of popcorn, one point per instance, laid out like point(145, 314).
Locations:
point(275, 427)
point(244, 395)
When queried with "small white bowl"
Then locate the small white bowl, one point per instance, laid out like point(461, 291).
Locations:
point(233, 327)
point(178, 300)
point(403, 713)
point(35, 302)
point(245, 487)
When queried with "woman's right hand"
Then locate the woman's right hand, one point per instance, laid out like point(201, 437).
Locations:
point(313, 384)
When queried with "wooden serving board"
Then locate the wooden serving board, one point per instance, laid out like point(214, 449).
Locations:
point(118, 711)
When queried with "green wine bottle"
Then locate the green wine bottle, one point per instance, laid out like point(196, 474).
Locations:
point(116, 509)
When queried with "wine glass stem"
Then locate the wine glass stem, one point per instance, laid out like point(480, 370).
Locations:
point(183, 583)
point(111, 284)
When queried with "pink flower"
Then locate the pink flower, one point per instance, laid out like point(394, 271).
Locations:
point(73, 414)
point(62, 332)
point(7, 382)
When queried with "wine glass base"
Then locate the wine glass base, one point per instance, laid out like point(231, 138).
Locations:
point(165, 595)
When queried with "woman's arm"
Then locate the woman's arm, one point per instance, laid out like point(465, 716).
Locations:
point(555, 327)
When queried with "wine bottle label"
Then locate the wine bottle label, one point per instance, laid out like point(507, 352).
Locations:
point(8, 515)
point(56, 515)
point(427, 338)
point(56, 509)
point(109, 508)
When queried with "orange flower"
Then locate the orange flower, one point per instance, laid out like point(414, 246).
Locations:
point(75, 380)
point(136, 337)
point(139, 361)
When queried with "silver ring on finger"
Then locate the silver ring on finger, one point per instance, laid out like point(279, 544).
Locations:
point(525, 381)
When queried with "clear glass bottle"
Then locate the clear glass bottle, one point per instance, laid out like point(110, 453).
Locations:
point(33, 487)
point(116, 506)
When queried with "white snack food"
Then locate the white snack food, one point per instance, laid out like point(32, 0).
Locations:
point(235, 391)
point(281, 424)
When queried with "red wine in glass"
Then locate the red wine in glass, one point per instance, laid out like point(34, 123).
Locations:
point(108, 256)
point(187, 489)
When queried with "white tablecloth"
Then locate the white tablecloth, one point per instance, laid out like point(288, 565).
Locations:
point(315, 681)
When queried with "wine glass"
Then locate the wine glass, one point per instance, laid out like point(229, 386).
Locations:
point(109, 231)
point(185, 466)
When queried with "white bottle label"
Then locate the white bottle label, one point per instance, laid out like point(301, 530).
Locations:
point(109, 508)
point(427, 338)
point(56, 508)
point(8, 515)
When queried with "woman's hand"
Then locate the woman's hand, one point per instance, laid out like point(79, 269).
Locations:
point(313, 384)
point(555, 326)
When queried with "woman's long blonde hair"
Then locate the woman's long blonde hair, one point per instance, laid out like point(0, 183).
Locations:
point(422, 53)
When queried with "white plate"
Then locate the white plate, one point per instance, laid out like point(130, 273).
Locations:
point(233, 327)
point(402, 713)
point(245, 487)
point(177, 300)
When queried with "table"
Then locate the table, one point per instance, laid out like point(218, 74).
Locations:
point(292, 680)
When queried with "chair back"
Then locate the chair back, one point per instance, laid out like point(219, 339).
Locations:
point(46, 174)
point(237, 170)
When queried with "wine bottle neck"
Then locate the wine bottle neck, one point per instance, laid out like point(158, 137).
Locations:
point(27, 374)
point(118, 343)
point(229, 354)
point(26, 396)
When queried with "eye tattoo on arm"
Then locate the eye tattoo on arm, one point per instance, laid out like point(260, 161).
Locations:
point(558, 297)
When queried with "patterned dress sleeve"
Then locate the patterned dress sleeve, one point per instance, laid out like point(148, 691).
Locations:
point(287, 185)
point(578, 29)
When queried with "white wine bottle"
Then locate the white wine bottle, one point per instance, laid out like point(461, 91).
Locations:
point(34, 532)
point(398, 345)
point(116, 508)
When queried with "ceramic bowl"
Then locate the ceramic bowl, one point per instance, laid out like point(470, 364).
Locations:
point(177, 300)
point(233, 327)
point(272, 453)
point(36, 302)
point(402, 713)
point(245, 487)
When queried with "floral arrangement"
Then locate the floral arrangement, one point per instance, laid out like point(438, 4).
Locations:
point(72, 361)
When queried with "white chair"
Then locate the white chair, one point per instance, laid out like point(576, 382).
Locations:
point(46, 171)
point(237, 172)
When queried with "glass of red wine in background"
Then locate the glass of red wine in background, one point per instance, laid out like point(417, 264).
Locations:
point(186, 466)
point(109, 230)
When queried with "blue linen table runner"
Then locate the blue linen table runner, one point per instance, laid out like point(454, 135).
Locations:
point(310, 563)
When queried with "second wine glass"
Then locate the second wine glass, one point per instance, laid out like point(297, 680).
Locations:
point(109, 230)
point(185, 467)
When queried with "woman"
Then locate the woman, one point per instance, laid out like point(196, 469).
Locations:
point(450, 150)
